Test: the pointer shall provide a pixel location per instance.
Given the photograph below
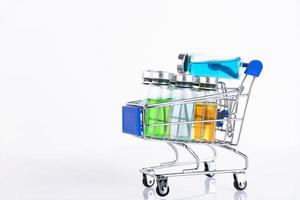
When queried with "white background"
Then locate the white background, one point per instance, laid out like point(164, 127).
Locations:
point(67, 67)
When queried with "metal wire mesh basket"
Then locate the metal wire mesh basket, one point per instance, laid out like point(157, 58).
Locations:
point(214, 120)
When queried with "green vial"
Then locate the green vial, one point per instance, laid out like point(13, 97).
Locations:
point(158, 91)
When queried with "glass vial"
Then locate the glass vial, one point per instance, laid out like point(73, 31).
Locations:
point(159, 91)
point(182, 89)
point(205, 110)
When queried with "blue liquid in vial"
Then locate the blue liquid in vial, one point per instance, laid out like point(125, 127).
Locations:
point(216, 68)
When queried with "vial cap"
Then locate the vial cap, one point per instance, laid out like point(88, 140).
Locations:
point(184, 78)
point(206, 82)
point(162, 75)
point(147, 76)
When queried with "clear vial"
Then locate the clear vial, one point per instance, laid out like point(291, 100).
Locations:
point(182, 89)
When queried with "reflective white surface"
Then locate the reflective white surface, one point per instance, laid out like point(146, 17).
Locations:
point(67, 67)
point(62, 177)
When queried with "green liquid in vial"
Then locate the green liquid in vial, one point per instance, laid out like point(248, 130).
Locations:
point(159, 115)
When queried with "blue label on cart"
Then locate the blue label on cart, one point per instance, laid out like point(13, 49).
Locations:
point(131, 120)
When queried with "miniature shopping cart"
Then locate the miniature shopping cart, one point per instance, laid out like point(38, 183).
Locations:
point(231, 107)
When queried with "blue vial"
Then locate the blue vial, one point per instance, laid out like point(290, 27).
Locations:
point(227, 68)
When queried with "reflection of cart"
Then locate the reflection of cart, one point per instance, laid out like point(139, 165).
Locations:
point(231, 107)
point(208, 193)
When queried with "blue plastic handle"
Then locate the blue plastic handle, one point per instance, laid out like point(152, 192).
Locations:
point(254, 68)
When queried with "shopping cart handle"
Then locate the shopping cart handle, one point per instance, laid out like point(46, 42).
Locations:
point(254, 68)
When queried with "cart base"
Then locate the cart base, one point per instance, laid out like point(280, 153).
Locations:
point(150, 174)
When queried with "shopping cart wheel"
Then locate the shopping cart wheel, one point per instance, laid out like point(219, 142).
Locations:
point(209, 167)
point(239, 183)
point(148, 181)
point(162, 188)
point(163, 192)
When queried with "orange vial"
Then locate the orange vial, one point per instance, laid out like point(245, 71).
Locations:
point(205, 131)
point(206, 110)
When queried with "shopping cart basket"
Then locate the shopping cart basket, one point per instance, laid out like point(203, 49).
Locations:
point(231, 107)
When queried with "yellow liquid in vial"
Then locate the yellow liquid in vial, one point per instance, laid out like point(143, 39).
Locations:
point(205, 111)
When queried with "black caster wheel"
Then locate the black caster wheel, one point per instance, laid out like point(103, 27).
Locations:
point(208, 168)
point(162, 188)
point(148, 182)
point(162, 191)
point(239, 184)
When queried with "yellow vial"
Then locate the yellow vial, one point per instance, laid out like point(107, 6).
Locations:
point(205, 131)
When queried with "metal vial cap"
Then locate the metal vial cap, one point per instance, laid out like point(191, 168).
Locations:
point(182, 66)
point(162, 75)
point(206, 82)
point(184, 78)
point(147, 76)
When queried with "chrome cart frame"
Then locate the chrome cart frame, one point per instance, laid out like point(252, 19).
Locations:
point(228, 130)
